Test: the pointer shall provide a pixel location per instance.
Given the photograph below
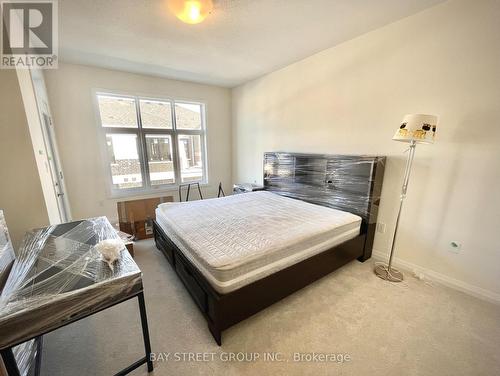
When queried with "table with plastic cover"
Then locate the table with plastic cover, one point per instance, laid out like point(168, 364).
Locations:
point(58, 277)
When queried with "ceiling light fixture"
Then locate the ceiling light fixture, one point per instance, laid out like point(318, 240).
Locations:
point(191, 11)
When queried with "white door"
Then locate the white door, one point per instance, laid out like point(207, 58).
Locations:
point(55, 170)
point(36, 106)
point(49, 137)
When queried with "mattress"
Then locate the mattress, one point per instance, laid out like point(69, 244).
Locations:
point(239, 239)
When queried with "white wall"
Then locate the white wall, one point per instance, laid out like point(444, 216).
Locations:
point(21, 195)
point(351, 98)
point(70, 94)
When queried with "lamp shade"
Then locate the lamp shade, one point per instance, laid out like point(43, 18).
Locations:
point(419, 128)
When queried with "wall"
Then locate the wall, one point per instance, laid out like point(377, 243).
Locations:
point(70, 90)
point(352, 97)
point(21, 195)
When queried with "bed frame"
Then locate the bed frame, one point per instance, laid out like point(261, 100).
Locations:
point(350, 183)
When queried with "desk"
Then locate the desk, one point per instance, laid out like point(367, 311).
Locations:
point(58, 278)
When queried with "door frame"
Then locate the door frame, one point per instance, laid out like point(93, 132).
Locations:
point(36, 105)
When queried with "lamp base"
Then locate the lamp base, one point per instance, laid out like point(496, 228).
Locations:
point(391, 275)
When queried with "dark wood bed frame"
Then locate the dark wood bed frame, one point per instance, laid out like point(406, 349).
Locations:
point(350, 183)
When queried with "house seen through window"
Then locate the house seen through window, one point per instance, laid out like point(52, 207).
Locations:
point(152, 143)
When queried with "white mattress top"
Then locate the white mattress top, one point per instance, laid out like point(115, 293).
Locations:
point(224, 234)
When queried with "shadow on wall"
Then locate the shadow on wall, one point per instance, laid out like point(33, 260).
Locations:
point(477, 138)
point(464, 193)
point(417, 209)
point(476, 129)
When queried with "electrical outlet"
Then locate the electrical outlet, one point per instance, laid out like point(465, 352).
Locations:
point(381, 227)
point(455, 247)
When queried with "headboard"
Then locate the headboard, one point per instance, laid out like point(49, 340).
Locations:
point(351, 183)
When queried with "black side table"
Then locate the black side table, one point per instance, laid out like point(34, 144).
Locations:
point(59, 278)
point(247, 187)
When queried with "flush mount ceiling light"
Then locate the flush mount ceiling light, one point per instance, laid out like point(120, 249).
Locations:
point(191, 11)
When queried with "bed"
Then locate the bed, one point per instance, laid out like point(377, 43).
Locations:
point(239, 254)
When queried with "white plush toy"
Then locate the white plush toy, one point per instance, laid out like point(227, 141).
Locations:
point(110, 250)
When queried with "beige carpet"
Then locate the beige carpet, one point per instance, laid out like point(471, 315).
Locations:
point(413, 328)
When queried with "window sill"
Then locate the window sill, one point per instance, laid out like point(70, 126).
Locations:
point(144, 193)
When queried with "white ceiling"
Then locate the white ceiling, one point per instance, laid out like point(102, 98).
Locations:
point(239, 41)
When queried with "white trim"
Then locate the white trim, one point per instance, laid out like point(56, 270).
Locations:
point(28, 95)
point(51, 145)
point(143, 95)
point(456, 284)
point(147, 189)
point(138, 193)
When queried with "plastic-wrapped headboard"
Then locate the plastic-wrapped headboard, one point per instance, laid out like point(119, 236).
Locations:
point(351, 183)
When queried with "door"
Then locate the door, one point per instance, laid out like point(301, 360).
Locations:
point(55, 169)
point(52, 152)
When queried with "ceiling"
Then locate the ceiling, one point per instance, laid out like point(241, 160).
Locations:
point(241, 40)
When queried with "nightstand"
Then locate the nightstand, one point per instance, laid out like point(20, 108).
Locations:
point(246, 187)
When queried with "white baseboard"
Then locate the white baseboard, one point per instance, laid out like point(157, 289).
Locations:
point(440, 278)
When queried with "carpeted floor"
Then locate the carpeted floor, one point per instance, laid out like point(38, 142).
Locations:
point(412, 328)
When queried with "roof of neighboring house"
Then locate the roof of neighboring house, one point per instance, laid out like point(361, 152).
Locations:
point(121, 112)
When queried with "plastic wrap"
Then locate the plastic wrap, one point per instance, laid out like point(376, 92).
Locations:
point(59, 276)
point(246, 187)
point(7, 255)
point(25, 355)
point(347, 182)
point(242, 238)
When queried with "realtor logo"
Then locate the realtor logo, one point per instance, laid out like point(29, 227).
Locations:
point(29, 34)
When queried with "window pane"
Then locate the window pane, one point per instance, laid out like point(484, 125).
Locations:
point(117, 112)
point(124, 160)
point(161, 165)
point(156, 114)
point(187, 115)
point(190, 156)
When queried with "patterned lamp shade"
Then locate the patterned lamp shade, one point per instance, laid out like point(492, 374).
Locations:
point(419, 128)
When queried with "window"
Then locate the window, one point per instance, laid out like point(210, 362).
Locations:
point(152, 143)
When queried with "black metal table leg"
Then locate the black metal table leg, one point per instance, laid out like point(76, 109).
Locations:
point(13, 370)
point(10, 362)
point(189, 190)
point(199, 191)
point(39, 349)
point(221, 191)
point(145, 330)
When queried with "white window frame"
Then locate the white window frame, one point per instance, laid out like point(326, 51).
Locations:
point(141, 133)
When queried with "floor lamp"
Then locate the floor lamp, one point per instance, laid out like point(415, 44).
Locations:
point(414, 129)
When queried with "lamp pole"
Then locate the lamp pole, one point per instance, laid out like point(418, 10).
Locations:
point(386, 271)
